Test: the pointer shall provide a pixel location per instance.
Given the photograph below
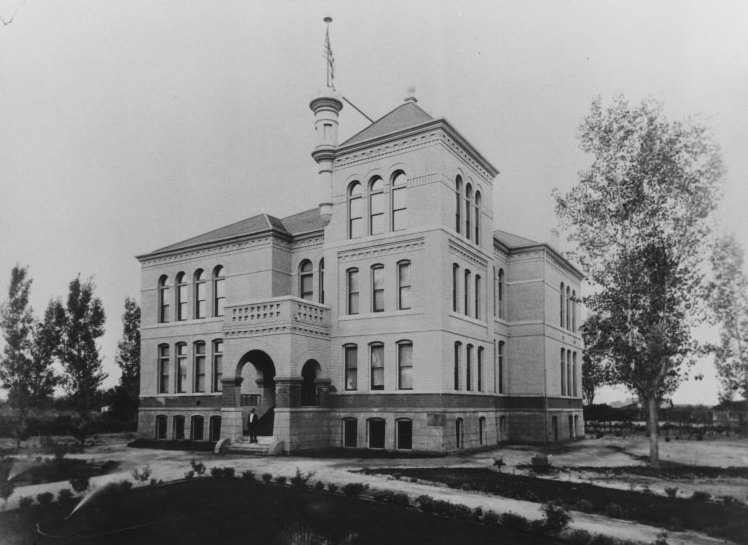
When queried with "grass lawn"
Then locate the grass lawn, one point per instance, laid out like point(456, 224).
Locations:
point(227, 511)
point(717, 519)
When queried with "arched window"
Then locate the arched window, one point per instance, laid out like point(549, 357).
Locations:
point(476, 302)
point(405, 365)
point(377, 288)
point(376, 432)
point(321, 289)
point(563, 372)
point(399, 202)
point(163, 368)
point(352, 290)
point(215, 428)
point(501, 367)
point(458, 203)
point(468, 205)
point(219, 291)
point(351, 366)
point(574, 311)
point(181, 368)
point(181, 297)
point(161, 423)
point(199, 366)
point(217, 365)
point(179, 427)
point(467, 293)
point(479, 369)
point(502, 295)
point(568, 308)
point(350, 433)
point(477, 217)
point(376, 206)
point(201, 303)
point(469, 367)
point(403, 285)
point(459, 433)
point(196, 428)
point(458, 350)
point(403, 434)
point(306, 281)
point(164, 294)
point(455, 283)
point(376, 351)
point(355, 211)
point(562, 304)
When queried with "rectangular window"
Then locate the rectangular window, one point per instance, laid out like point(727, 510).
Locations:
point(217, 365)
point(161, 426)
point(404, 434)
point(467, 293)
point(352, 282)
point(399, 209)
point(182, 300)
point(181, 368)
point(458, 348)
point(477, 297)
point(201, 300)
point(220, 295)
point(199, 367)
point(574, 374)
point(403, 285)
point(377, 367)
point(377, 289)
point(479, 370)
point(179, 428)
point(377, 213)
point(501, 367)
point(163, 372)
point(351, 368)
point(455, 281)
point(376, 433)
point(469, 368)
point(307, 289)
point(350, 433)
point(356, 217)
point(405, 365)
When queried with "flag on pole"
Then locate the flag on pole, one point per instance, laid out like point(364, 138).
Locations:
point(329, 56)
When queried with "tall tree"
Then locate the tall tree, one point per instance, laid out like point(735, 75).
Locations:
point(640, 217)
point(125, 396)
point(80, 323)
point(728, 302)
point(594, 371)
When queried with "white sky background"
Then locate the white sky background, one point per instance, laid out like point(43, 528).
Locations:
point(126, 126)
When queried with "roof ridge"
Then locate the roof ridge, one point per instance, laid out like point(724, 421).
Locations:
point(419, 116)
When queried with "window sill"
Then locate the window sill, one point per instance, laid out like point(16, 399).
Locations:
point(376, 315)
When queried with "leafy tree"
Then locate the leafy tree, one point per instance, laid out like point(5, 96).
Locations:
point(728, 302)
point(594, 371)
point(79, 324)
point(26, 363)
point(639, 216)
point(128, 349)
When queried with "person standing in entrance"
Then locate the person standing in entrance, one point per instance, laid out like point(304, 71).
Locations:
point(252, 426)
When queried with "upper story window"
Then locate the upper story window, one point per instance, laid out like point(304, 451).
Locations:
point(568, 308)
point(399, 201)
point(163, 368)
point(458, 203)
point(403, 285)
point(501, 289)
point(352, 289)
point(563, 372)
point(562, 304)
point(219, 291)
point(181, 297)
point(376, 206)
point(306, 281)
point(476, 302)
point(217, 365)
point(574, 310)
point(164, 294)
point(377, 288)
point(458, 350)
point(469, 367)
point(477, 216)
point(501, 366)
point(479, 370)
point(468, 204)
point(201, 302)
point(199, 366)
point(377, 366)
point(405, 365)
point(351, 366)
point(355, 211)
point(466, 295)
point(181, 368)
point(455, 283)
point(321, 289)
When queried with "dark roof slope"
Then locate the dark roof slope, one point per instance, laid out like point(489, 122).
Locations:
point(406, 115)
point(513, 241)
point(303, 222)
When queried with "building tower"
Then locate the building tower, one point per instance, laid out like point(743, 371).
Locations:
point(326, 108)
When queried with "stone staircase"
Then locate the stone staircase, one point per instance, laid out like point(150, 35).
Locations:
point(261, 448)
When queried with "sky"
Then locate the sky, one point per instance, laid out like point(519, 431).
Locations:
point(129, 125)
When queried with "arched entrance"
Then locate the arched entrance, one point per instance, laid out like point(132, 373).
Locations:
point(309, 374)
point(257, 390)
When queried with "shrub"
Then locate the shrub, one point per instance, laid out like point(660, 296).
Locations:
point(301, 479)
point(190, 474)
point(80, 484)
point(400, 499)
point(671, 491)
point(267, 477)
point(601, 539)
point(613, 510)
point(142, 475)
point(538, 528)
point(460, 512)
point(45, 499)
point(280, 479)
point(579, 537)
point(153, 482)
point(700, 495)
point(332, 488)
point(382, 496)
point(728, 500)
point(6, 490)
point(426, 503)
point(197, 467)
point(585, 506)
point(661, 539)
point(222, 472)
point(25, 502)
point(513, 521)
point(354, 489)
point(319, 486)
point(491, 518)
point(248, 475)
point(124, 485)
point(555, 516)
point(65, 495)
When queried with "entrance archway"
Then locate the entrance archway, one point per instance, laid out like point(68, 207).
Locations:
point(309, 373)
point(257, 388)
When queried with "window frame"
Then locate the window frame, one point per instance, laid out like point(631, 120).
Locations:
point(161, 424)
point(164, 296)
point(182, 301)
point(455, 285)
point(321, 282)
point(306, 280)
point(369, 422)
point(217, 365)
point(350, 372)
point(466, 295)
point(398, 433)
point(201, 295)
point(378, 196)
point(180, 367)
point(469, 367)
point(477, 205)
point(479, 369)
point(199, 361)
point(404, 368)
point(351, 275)
point(347, 421)
point(477, 298)
point(355, 197)
point(402, 288)
point(502, 294)
point(502, 370)
point(458, 203)
point(468, 204)
point(219, 291)
point(377, 279)
point(376, 383)
point(399, 186)
point(164, 364)
point(457, 365)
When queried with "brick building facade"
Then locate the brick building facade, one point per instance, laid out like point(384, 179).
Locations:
point(392, 316)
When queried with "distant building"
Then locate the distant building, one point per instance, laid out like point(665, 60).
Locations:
point(731, 415)
point(390, 317)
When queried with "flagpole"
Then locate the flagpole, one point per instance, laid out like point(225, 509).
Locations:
point(328, 49)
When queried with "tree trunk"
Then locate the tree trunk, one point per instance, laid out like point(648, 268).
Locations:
point(654, 446)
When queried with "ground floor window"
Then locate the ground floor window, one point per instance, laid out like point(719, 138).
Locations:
point(554, 426)
point(161, 426)
point(502, 428)
point(196, 428)
point(571, 427)
point(459, 433)
point(179, 427)
point(576, 424)
point(350, 432)
point(481, 429)
point(404, 434)
point(376, 433)
point(215, 428)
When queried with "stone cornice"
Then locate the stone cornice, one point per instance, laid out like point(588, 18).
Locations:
point(383, 248)
point(467, 254)
point(215, 249)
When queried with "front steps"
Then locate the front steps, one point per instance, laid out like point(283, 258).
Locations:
point(261, 448)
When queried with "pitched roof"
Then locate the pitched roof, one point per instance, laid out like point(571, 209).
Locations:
point(513, 241)
point(408, 114)
point(302, 222)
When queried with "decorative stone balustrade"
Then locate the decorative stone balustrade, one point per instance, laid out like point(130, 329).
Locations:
point(277, 315)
